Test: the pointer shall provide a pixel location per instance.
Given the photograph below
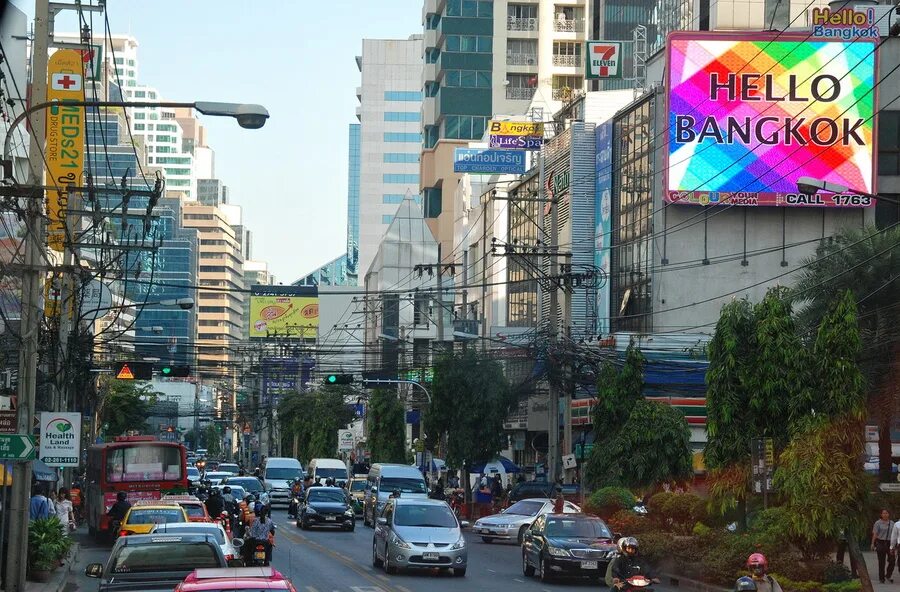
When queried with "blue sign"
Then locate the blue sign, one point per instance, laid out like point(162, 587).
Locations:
point(520, 142)
point(485, 161)
point(603, 220)
point(279, 378)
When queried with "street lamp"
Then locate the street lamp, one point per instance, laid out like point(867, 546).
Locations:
point(811, 186)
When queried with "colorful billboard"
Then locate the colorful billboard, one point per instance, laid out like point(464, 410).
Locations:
point(603, 219)
point(65, 139)
point(516, 128)
point(283, 311)
point(516, 142)
point(604, 59)
point(749, 114)
point(486, 161)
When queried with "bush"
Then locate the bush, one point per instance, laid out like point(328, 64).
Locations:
point(628, 523)
point(656, 547)
point(607, 501)
point(701, 530)
point(790, 585)
point(835, 573)
point(678, 512)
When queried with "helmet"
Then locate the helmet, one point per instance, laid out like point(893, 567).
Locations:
point(745, 584)
point(629, 543)
point(226, 489)
point(215, 491)
point(248, 498)
point(757, 564)
point(121, 496)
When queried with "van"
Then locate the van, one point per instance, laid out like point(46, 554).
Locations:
point(279, 475)
point(385, 479)
point(325, 468)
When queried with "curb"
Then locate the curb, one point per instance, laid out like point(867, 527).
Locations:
point(692, 585)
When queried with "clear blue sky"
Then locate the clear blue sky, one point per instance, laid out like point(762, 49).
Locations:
point(296, 58)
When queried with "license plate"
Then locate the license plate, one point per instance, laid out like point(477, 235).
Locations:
point(330, 518)
point(589, 565)
point(259, 555)
point(484, 531)
point(430, 556)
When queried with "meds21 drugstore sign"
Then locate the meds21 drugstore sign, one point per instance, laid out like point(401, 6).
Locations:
point(749, 114)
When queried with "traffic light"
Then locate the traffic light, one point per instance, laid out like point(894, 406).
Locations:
point(169, 371)
point(339, 379)
point(133, 370)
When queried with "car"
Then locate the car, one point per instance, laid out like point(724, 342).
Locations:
point(237, 492)
point(357, 489)
point(155, 562)
point(230, 547)
point(193, 475)
point(511, 523)
point(216, 477)
point(326, 506)
point(244, 579)
point(249, 485)
point(383, 480)
point(279, 474)
point(574, 545)
point(196, 510)
point(419, 533)
point(531, 489)
point(232, 468)
point(327, 468)
point(142, 517)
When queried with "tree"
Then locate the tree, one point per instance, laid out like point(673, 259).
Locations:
point(125, 405)
point(312, 420)
point(820, 472)
point(213, 440)
point(640, 443)
point(386, 427)
point(864, 262)
point(471, 398)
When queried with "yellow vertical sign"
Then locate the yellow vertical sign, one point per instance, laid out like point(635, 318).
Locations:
point(65, 138)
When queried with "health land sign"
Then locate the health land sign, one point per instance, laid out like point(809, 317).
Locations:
point(60, 439)
point(749, 114)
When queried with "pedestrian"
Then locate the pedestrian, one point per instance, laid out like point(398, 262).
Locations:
point(65, 510)
point(559, 503)
point(454, 481)
point(40, 507)
point(497, 493)
point(881, 544)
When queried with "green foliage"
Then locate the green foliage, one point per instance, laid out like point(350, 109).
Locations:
point(836, 352)
point(47, 543)
point(628, 523)
point(608, 500)
point(125, 406)
point(790, 585)
point(471, 398)
point(617, 392)
point(386, 427)
point(314, 418)
point(212, 438)
point(676, 512)
point(701, 530)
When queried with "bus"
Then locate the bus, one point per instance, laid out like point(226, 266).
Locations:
point(142, 466)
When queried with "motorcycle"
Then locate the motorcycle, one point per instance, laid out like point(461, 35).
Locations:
point(457, 501)
point(637, 582)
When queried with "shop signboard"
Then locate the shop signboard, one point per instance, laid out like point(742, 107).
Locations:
point(488, 161)
point(603, 220)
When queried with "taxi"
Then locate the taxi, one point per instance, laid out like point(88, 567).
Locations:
point(144, 515)
point(196, 510)
point(235, 578)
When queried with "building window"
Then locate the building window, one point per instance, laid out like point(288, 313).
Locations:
point(470, 8)
point(464, 127)
point(431, 55)
point(468, 44)
point(420, 309)
point(387, 218)
point(400, 179)
point(520, 86)
point(392, 198)
point(402, 95)
point(402, 137)
point(140, 94)
point(521, 17)
point(402, 116)
point(521, 52)
point(565, 88)
point(889, 143)
point(138, 127)
point(401, 157)
point(140, 115)
point(432, 202)
point(567, 54)
point(523, 229)
point(467, 78)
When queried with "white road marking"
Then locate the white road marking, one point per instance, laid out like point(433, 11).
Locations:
point(518, 580)
point(366, 589)
point(311, 589)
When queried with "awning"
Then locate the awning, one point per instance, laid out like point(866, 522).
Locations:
point(42, 472)
point(501, 464)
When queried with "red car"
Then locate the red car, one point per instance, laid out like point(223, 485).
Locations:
point(196, 510)
point(235, 578)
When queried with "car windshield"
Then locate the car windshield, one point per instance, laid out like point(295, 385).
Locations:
point(236, 492)
point(193, 472)
point(229, 468)
point(404, 484)
point(525, 508)
point(155, 516)
point(316, 494)
point(326, 473)
point(194, 510)
point(577, 528)
point(286, 473)
point(431, 515)
point(145, 462)
point(165, 556)
point(250, 484)
point(212, 530)
point(358, 486)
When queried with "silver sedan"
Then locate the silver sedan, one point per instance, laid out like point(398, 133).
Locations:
point(419, 533)
point(511, 524)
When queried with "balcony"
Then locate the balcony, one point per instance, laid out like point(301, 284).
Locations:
point(568, 25)
point(521, 59)
point(566, 94)
point(519, 94)
point(567, 61)
point(521, 24)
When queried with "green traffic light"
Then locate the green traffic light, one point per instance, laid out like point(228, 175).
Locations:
point(166, 370)
point(332, 378)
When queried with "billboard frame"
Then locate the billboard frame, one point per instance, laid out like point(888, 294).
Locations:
point(260, 290)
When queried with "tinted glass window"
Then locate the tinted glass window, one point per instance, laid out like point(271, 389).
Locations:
point(358, 486)
point(214, 531)
point(155, 516)
point(332, 473)
point(404, 484)
point(282, 473)
point(251, 484)
point(194, 510)
point(316, 494)
point(577, 528)
point(143, 463)
point(525, 508)
point(424, 516)
point(168, 556)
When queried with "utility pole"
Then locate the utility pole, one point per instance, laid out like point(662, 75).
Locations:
point(31, 301)
point(440, 299)
point(553, 449)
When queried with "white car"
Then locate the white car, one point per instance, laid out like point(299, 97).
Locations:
point(230, 548)
point(511, 523)
point(216, 477)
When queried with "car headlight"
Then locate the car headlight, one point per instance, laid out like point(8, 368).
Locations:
point(557, 552)
point(398, 542)
point(479, 523)
point(310, 510)
point(460, 544)
point(348, 512)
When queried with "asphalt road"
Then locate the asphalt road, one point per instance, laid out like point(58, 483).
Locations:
point(337, 561)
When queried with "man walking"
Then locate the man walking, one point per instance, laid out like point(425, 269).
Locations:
point(881, 544)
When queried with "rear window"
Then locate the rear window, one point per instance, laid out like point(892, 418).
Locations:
point(358, 486)
point(214, 531)
point(155, 516)
point(194, 510)
point(250, 484)
point(525, 508)
point(165, 556)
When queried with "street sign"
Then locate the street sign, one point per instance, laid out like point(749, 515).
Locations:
point(16, 447)
point(60, 439)
point(762, 464)
point(7, 422)
point(345, 440)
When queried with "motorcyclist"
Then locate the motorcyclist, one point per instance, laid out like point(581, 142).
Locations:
point(758, 566)
point(215, 504)
point(317, 483)
point(296, 494)
point(260, 531)
point(437, 492)
point(628, 565)
point(120, 508)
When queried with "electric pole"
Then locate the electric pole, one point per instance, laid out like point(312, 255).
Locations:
point(553, 455)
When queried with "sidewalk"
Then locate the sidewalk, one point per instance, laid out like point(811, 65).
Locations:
point(872, 565)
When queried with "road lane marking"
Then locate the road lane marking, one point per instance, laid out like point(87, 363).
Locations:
point(518, 580)
point(365, 589)
point(311, 589)
point(403, 589)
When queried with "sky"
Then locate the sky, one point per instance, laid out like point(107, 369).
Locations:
point(295, 57)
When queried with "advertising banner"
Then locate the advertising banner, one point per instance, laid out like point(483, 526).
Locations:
point(516, 142)
point(516, 128)
point(604, 59)
point(283, 311)
point(749, 114)
point(65, 139)
point(279, 379)
point(487, 161)
point(603, 220)
point(60, 439)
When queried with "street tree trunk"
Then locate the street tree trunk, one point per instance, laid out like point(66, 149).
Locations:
point(856, 555)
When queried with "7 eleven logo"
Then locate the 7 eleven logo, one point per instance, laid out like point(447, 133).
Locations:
point(604, 59)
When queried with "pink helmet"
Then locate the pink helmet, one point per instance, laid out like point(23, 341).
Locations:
point(757, 559)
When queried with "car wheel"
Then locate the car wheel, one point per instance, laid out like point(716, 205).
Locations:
point(298, 523)
point(487, 539)
point(304, 525)
point(521, 537)
point(376, 562)
point(388, 568)
point(527, 568)
point(459, 572)
point(544, 573)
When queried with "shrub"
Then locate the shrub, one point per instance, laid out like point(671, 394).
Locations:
point(835, 573)
point(628, 523)
point(677, 512)
point(701, 530)
point(790, 585)
point(656, 547)
point(607, 501)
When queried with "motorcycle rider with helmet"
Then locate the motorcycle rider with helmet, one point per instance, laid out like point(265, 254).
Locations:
point(745, 584)
point(628, 565)
point(758, 566)
point(296, 494)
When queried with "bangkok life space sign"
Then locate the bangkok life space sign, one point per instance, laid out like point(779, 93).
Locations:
point(749, 114)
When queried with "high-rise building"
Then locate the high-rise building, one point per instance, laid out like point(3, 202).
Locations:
point(211, 192)
point(390, 116)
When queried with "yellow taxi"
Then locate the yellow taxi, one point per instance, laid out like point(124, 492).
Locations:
point(144, 515)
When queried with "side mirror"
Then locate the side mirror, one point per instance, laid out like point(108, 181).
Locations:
point(382, 521)
point(94, 570)
point(237, 543)
point(464, 524)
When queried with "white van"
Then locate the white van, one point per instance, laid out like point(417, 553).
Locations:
point(325, 468)
point(385, 479)
point(279, 475)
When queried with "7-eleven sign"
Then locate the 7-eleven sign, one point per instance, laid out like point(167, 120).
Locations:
point(604, 59)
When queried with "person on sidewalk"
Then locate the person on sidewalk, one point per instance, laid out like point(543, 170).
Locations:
point(881, 544)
